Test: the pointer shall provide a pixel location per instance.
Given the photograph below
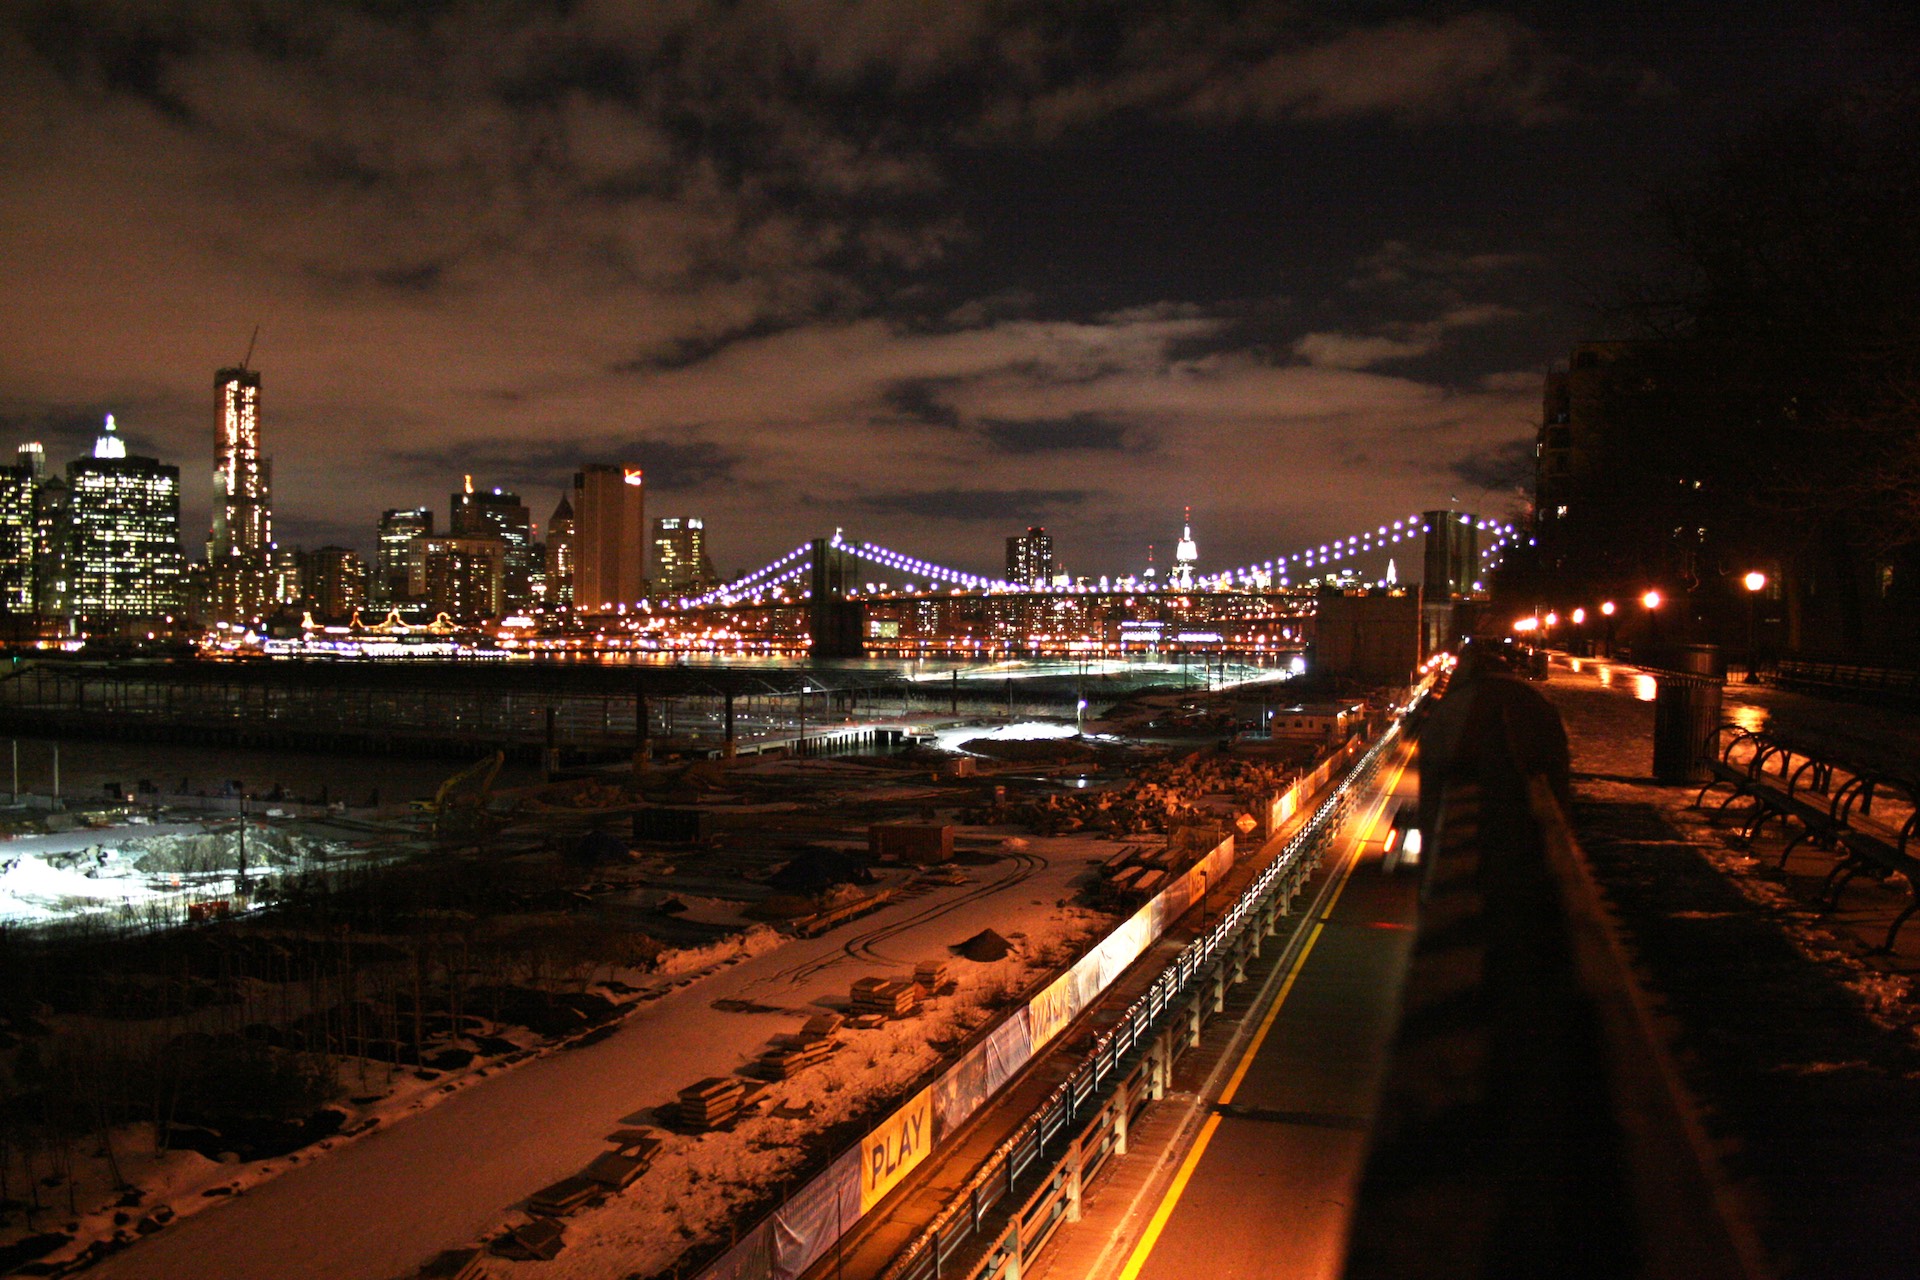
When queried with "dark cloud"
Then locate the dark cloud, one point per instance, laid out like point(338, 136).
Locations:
point(1505, 468)
point(1165, 244)
point(920, 400)
point(1079, 431)
point(1001, 505)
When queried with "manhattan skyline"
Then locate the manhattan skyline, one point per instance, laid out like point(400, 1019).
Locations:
point(931, 279)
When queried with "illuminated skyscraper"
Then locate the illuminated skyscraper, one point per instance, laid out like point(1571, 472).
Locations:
point(399, 526)
point(460, 577)
point(610, 548)
point(680, 563)
point(560, 556)
point(17, 485)
point(333, 582)
point(496, 513)
point(240, 546)
point(118, 536)
point(1030, 558)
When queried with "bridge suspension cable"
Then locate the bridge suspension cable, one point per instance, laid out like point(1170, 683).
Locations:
point(922, 568)
point(767, 575)
point(1283, 570)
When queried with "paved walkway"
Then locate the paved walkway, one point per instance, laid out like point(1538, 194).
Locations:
point(1796, 1037)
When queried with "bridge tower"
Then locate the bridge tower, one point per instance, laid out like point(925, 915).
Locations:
point(838, 625)
point(1450, 569)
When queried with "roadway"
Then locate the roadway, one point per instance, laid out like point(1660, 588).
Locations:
point(1259, 1178)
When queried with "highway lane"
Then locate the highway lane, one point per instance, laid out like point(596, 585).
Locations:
point(1266, 1189)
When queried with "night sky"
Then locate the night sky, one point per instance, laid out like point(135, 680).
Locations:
point(929, 269)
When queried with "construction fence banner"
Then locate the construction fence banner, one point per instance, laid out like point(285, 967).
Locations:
point(1289, 802)
point(890, 1152)
point(978, 1073)
point(800, 1232)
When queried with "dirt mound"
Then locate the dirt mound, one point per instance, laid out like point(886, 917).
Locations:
point(985, 947)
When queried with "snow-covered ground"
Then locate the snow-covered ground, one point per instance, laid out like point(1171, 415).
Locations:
point(130, 869)
point(448, 1175)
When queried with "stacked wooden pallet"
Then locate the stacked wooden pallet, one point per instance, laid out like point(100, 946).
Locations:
point(538, 1241)
point(886, 997)
point(565, 1196)
point(793, 1054)
point(932, 976)
point(710, 1103)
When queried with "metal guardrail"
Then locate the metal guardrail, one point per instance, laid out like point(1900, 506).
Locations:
point(1035, 1155)
point(1806, 672)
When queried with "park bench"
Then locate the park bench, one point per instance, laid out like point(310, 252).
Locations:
point(1784, 780)
point(1808, 799)
point(1865, 845)
point(1724, 771)
point(1777, 786)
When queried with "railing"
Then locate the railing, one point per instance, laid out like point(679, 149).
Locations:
point(1807, 672)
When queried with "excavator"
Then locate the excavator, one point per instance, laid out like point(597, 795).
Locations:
point(459, 808)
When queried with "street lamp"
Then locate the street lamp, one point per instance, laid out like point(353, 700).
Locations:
point(1607, 610)
point(1755, 582)
point(1651, 603)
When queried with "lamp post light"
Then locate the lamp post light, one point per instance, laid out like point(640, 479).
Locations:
point(1651, 602)
point(1755, 582)
point(1607, 610)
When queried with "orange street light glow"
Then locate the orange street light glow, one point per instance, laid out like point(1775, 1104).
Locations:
point(1651, 599)
point(1755, 581)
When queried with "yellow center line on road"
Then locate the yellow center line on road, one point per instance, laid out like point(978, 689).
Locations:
point(1164, 1214)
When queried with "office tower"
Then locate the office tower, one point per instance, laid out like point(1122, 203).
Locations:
point(680, 563)
point(285, 590)
point(333, 582)
point(560, 556)
point(50, 547)
point(609, 540)
point(240, 545)
point(1030, 558)
point(119, 535)
point(497, 513)
point(463, 578)
point(34, 458)
point(399, 526)
point(17, 484)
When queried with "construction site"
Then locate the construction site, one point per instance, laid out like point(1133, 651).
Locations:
point(246, 990)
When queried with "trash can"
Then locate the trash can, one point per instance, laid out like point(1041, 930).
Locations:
point(1686, 710)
